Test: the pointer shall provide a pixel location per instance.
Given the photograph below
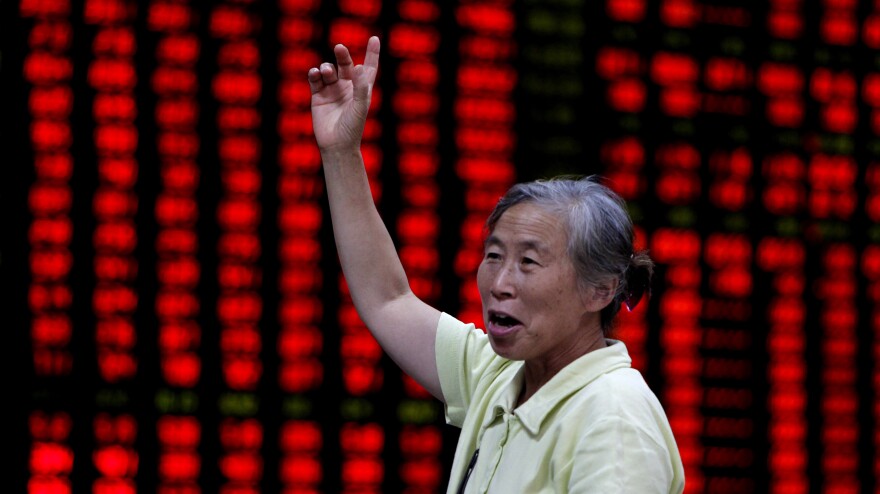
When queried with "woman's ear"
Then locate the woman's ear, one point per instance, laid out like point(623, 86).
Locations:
point(599, 296)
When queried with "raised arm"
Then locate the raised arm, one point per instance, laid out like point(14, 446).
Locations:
point(403, 324)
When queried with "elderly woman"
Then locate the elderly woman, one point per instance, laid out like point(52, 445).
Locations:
point(544, 401)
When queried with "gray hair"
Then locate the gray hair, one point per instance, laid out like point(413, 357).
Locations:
point(600, 236)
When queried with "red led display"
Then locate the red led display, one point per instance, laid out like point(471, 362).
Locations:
point(114, 457)
point(301, 467)
point(48, 70)
point(183, 306)
point(838, 317)
point(784, 192)
point(178, 270)
point(625, 158)
point(731, 171)
point(727, 366)
point(114, 204)
point(236, 87)
point(786, 371)
point(51, 459)
point(626, 10)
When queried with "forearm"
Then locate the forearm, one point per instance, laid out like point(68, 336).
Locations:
point(367, 254)
point(404, 325)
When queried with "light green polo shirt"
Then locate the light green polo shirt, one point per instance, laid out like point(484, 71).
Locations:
point(595, 427)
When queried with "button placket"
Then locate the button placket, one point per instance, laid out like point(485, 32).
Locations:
point(499, 451)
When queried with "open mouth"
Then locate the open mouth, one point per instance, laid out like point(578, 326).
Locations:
point(502, 320)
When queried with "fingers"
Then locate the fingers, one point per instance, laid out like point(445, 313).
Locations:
point(371, 61)
point(323, 76)
point(362, 76)
point(328, 73)
point(316, 83)
point(343, 61)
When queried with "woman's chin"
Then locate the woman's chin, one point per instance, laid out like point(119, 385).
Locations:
point(504, 347)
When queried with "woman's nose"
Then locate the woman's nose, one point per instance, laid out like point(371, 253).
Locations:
point(503, 283)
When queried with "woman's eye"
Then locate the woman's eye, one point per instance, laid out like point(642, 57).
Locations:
point(528, 260)
point(493, 255)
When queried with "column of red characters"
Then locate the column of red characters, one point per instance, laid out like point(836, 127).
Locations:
point(112, 75)
point(237, 88)
point(175, 83)
point(414, 42)
point(832, 200)
point(728, 342)
point(484, 136)
point(870, 267)
point(783, 259)
point(300, 191)
point(835, 288)
point(783, 195)
point(47, 71)
point(871, 271)
point(678, 250)
point(728, 368)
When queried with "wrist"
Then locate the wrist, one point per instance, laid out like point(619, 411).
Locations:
point(340, 152)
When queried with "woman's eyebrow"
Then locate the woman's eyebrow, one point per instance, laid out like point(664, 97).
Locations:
point(535, 245)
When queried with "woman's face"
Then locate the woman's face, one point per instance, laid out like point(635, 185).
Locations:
point(533, 306)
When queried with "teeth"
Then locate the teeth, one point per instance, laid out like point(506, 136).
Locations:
point(504, 320)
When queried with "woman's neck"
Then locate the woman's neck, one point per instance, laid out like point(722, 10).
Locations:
point(537, 373)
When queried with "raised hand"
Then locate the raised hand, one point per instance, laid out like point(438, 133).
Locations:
point(341, 97)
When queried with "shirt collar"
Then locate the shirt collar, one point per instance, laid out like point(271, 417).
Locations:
point(506, 400)
point(570, 379)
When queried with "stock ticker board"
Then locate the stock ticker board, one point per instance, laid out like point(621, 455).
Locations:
point(181, 322)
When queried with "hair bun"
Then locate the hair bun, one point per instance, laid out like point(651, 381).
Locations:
point(638, 279)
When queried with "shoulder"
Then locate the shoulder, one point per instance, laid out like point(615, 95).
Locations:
point(618, 416)
point(470, 372)
point(619, 396)
point(461, 346)
point(616, 391)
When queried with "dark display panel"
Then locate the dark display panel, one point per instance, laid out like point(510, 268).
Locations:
point(184, 322)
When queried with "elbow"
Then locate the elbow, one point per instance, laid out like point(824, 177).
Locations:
point(377, 308)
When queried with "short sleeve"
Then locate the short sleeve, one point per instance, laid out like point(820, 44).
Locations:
point(464, 357)
point(617, 455)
